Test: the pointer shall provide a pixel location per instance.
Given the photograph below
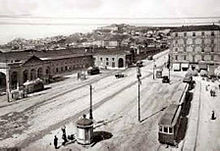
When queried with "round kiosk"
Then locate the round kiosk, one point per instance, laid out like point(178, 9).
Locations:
point(84, 131)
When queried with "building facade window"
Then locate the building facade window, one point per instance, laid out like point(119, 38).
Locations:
point(202, 50)
point(202, 58)
point(212, 58)
point(101, 58)
point(113, 59)
point(106, 59)
point(176, 42)
point(113, 64)
point(203, 34)
point(194, 34)
point(185, 34)
point(176, 57)
point(170, 130)
point(160, 129)
point(212, 33)
point(184, 57)
point(107, 63)
point(176, 49)
point(165, 129)
point(212, 49)
point(176, 34)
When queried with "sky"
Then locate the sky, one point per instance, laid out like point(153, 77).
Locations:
point(110, 8)
point(18, 17)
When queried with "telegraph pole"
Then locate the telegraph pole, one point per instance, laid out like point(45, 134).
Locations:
point(90, 110)
point(139, 85)
point(7, 78)
point(154, 69)
point(168, 65)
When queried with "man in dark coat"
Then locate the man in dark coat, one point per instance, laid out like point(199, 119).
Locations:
point(55, 142)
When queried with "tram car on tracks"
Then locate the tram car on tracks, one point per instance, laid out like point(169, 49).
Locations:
point(169, 125)
point(170, 121)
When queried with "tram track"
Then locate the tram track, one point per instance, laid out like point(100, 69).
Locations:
point(36, 136)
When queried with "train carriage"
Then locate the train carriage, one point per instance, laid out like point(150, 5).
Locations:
point(169, 124)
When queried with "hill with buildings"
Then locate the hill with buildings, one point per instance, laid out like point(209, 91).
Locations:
point(115, 35)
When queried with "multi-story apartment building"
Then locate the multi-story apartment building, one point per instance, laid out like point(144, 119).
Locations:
point(198, 46)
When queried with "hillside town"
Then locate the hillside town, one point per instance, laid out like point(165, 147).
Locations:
point(112, 36)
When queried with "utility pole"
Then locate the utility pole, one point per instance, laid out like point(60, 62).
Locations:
point(168, 65)
point(139, 85)
point(7, 78)
point(154, 69)
point(90, 110)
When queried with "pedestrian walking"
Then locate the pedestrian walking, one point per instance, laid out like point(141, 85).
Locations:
point(213, 115)
point(206, 87)
point(64, 135)
point(55, 142)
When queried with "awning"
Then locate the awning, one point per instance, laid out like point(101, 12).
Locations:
point(211, 70)
point(202, 66)
point(185, 65)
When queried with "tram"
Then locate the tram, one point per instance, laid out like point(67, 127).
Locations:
point(170, 121)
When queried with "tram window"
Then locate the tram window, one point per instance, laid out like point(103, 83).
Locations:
point(165, 129)
point(170, 130)
point(160, 128)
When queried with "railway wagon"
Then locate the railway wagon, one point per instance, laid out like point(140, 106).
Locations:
point(93, 70)
point(169, 124)
point(33, 86)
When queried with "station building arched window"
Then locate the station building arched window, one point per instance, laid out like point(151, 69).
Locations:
point(40, 72)
point(2, 80)
point(33, 74)
point(25, 75)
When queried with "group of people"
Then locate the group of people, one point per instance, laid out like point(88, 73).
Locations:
point(212, 90)
point(64, 137)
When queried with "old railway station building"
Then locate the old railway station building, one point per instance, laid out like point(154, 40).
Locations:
point(197, 46)
point(29, 65)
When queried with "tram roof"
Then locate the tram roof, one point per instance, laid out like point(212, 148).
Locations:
point(171, 115)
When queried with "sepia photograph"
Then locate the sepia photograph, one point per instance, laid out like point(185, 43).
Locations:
point(109, 75)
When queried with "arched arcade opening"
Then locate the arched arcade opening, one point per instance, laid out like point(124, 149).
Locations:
point(120, 63)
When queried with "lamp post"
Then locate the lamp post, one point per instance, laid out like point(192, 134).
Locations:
point(139, 85)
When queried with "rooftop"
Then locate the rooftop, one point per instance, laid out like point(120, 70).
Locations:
point(196, 28)
point(23, 56)
point(113, 51)
point(171, 115)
